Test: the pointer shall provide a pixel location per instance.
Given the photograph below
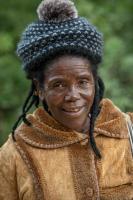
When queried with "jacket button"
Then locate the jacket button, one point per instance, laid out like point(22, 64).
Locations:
point(130, 170)
point(89, 192)
point(84, 142)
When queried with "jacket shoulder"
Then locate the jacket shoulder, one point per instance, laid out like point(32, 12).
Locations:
point(8, 155)
point(8, 150)
point(8, 183)
point(131, 115)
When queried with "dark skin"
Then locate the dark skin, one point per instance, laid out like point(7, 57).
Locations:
point(69, 90)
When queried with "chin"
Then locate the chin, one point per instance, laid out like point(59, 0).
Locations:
point(76, 127)
point(77, 123)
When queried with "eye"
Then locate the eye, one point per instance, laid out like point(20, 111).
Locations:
point(83, 83)
point(59, 85)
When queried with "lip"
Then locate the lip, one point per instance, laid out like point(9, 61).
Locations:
point(73, 111)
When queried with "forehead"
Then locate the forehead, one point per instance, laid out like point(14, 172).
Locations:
point(67, 65)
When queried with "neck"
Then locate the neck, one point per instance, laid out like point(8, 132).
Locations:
point(86, 127)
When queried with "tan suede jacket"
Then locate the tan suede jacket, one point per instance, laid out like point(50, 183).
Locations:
point(50, 162)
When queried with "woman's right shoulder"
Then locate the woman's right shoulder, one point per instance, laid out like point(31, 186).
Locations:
point(8, 150)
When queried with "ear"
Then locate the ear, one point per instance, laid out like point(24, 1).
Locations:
point(39, 91)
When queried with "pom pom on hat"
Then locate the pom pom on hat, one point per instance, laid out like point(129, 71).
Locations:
point(56, 10)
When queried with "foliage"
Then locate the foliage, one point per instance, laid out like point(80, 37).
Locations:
point(113, 18)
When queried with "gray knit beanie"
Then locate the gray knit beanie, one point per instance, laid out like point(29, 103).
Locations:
point(58, 30)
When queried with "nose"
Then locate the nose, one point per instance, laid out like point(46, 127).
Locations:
point(72, 94)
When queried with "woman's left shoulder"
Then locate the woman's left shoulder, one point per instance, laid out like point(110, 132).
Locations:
point(131, 115)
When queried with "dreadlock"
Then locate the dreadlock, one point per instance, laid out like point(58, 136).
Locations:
point(99, 91)
point(29, 102)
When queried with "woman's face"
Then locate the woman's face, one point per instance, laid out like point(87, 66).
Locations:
point(69, 90)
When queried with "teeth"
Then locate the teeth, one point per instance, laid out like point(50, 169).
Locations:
point(73, 110)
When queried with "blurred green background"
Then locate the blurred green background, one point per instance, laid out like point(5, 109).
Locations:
point(114, 18)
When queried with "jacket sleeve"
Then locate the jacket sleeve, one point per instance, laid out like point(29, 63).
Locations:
point(8, 183)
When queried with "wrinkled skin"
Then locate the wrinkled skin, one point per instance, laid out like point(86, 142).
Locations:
point(69, 91)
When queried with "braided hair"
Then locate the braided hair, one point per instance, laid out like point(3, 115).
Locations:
point(33, 99)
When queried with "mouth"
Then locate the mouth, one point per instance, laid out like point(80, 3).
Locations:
point(75, 111)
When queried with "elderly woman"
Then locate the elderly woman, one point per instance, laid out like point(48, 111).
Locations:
point(77, 146)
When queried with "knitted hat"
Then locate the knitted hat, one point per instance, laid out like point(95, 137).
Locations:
point(58, 30)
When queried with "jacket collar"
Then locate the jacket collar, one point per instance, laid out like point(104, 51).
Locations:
point(46, 132)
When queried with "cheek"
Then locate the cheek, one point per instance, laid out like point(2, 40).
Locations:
point(88, 92)
point(88, 95)
point(53, 100)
